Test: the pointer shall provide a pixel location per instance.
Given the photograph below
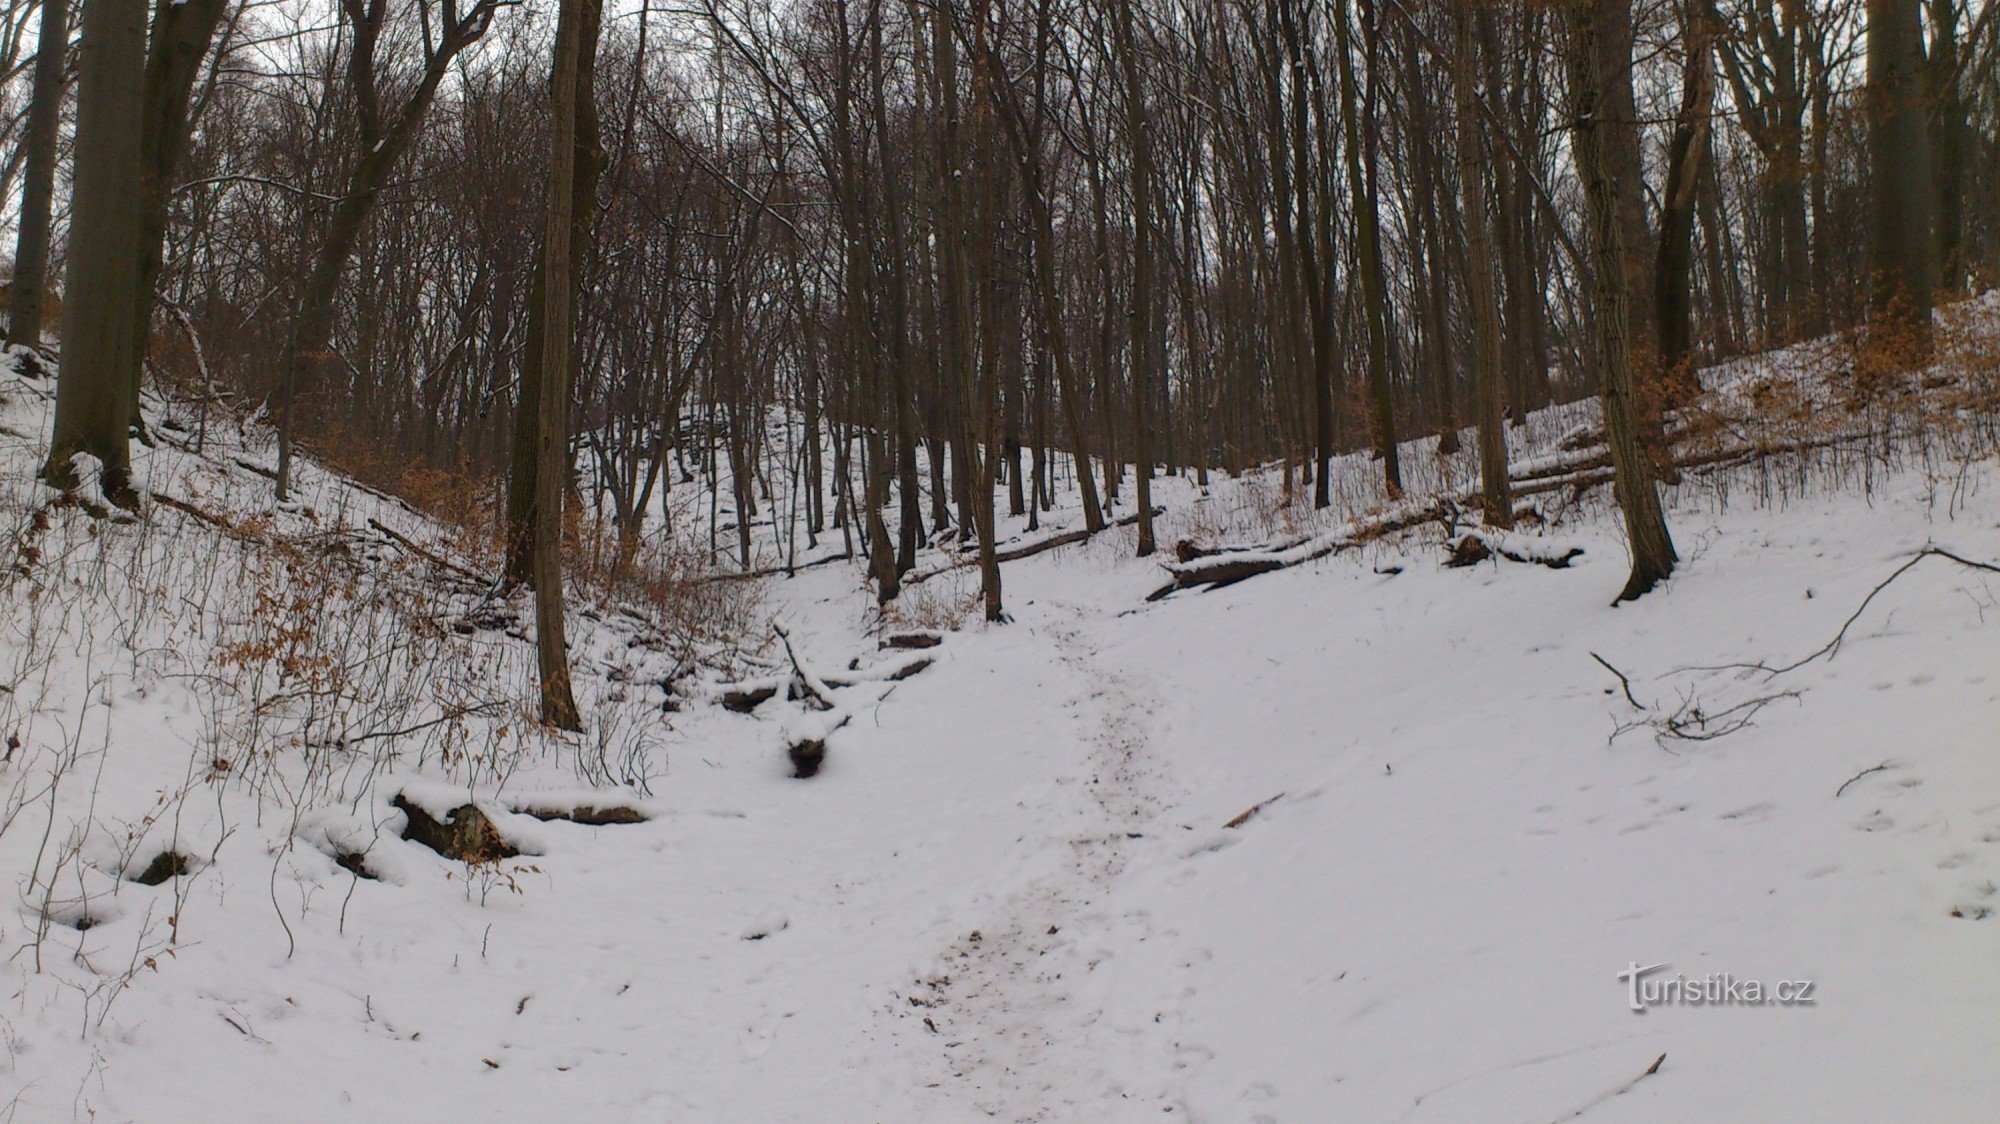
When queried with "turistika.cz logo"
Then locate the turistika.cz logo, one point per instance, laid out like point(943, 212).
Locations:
point(1643, 989)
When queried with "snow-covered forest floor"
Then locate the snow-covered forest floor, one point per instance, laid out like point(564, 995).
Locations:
point(1364, 839)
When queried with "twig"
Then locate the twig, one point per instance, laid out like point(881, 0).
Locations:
point(482, 710)
point(1622, 681)
point(1832, 647)
point(1856, 777)
point(1246, 814)
point(1618, 1092)
point(1708, 727)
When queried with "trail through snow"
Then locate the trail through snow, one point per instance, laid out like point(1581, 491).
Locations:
point(1013, 1001)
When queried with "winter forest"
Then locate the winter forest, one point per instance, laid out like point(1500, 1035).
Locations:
point(1027, 560)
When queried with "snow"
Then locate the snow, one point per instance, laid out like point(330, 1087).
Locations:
point(1013, 892)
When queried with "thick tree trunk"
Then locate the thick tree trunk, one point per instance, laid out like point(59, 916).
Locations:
point(102, 279)
point(1902, 246)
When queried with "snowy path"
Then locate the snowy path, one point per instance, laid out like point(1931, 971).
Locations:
point(1018, 1005)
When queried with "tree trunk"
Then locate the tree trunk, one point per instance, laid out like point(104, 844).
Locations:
point(1949, 128)
point(1674, 266)
point(1606, 141)
point(575, 18)
point(1902, 248)
point(1496, 494)
point(38, 181)
point(1374, 284)
point(102, 278)
point(524, 473)
point(1144, 348)
point(182, 30)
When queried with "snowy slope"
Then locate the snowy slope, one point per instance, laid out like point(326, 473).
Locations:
point(1013, 893)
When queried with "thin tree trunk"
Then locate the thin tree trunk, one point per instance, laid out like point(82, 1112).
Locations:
point(1496, 494)
point(525, 472)
point(1606, 145)
point(1144, 348)
point(182, 30)
point(1373, 283)
point(575, 19)
point(1674, 269)
point(38, 180)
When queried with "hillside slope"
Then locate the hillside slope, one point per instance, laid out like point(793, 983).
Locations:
point(1365, 839)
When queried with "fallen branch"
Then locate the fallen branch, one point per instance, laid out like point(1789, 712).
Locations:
point(1832, 647)
point(184, 507)
point(747, 695)
point(253, 466)
point(1477, 546)
point(776, 571)
point(426, 554)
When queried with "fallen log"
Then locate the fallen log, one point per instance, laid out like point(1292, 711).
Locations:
point(1228, 568)
point(776, 571)
point(464, 833)
point(1478, 546)
point(815, 690)
point(1209, 567)
point(1029, 550)
point(749, 694)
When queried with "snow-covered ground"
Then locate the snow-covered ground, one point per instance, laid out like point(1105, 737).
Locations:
point(1368, 839)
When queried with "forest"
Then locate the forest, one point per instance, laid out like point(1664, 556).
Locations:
point(1028, 241)
point(438, 396)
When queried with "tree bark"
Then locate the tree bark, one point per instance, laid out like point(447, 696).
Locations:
point(1674, 267)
